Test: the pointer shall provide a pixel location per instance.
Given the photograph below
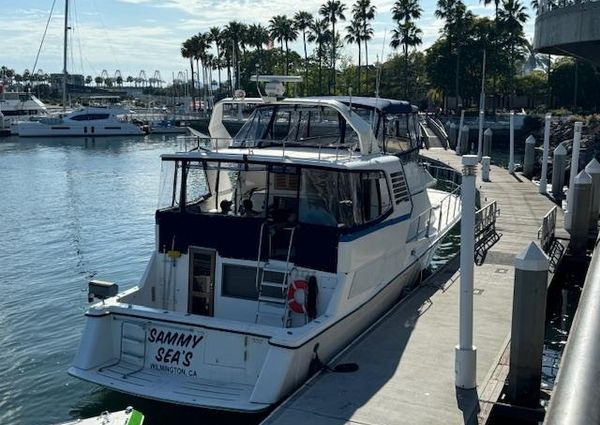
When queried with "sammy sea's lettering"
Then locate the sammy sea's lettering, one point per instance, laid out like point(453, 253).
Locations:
point(180, 341)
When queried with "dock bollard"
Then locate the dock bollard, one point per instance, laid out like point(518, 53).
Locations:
point(593, 169)
point(485, 168)
point(529, 157)
point(465, 366)
point(528, 324)
point(558, 171)
point(487, 142)
point(580, 213)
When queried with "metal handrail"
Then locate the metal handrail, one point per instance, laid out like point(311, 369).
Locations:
point(547, 229)
point(574, 399)
point(260, 240)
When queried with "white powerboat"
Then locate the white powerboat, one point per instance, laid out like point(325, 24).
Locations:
point(273, 252)
point(90, 121)
point(16, 106)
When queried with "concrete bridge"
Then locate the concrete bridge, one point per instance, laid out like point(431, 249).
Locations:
point(569, 28)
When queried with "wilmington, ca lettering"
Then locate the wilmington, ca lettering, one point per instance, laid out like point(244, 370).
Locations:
point(182, 340)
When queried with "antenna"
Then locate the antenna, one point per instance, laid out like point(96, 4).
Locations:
point(378, 78)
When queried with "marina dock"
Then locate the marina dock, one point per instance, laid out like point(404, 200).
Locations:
point(406, 365)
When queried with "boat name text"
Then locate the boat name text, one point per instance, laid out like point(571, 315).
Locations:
point(179, 340)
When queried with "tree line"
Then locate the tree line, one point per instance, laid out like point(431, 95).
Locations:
point(449, 69)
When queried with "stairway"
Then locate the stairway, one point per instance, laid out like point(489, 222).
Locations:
point(272, 296)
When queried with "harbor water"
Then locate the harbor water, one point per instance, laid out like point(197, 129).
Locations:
point(72, 210)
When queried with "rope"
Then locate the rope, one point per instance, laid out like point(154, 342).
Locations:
point(43, 37)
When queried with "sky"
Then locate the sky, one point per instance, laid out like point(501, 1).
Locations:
point(135, 35)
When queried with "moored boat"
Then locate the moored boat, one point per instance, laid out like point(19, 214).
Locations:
point(273, 251)
point(88, 121)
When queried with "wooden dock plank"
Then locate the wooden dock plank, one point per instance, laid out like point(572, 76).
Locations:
point(406, 363)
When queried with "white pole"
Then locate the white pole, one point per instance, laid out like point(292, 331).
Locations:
point(573, 173)
point(544, 176)
point(465, 351)
point(480, 138)
point(460, 126)
point(511, 160)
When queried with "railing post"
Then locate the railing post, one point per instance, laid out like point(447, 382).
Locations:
point(558, 171)
point(511, 158)
point(574, 171)
point(465, 351)
point(544, 176)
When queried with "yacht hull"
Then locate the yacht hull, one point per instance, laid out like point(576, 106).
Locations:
point(267, 369)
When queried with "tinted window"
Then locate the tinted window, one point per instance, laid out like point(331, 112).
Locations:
point(89, 117)
point(239, 282)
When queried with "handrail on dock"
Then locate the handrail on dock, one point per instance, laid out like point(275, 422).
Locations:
point(575, 397)
point(547, 229)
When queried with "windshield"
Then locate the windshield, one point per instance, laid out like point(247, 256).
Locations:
point(296, 125)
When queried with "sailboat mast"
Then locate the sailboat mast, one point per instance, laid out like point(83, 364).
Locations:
point(64, 87)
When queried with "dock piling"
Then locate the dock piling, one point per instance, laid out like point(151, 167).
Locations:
point(544, 175)
point(463, 142)
point(572, 173)
point(580, 213)
point(485, 168)
point(529, 157)
point(528, 323)
point(593, 169)
point(558, 171)
point(460, 130)
point(465, 351)
point(452, 138)
point(487, 142)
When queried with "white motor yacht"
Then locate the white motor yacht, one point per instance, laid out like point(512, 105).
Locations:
point(16, 106)
point(89, 121)
point(273, 252)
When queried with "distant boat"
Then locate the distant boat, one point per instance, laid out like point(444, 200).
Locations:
point(90, 121)
point(15, 106)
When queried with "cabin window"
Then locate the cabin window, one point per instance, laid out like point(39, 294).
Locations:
point(89, 117)
point(239, 282)
point(343, 199)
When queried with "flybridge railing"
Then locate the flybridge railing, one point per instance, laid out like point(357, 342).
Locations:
point(215, 144)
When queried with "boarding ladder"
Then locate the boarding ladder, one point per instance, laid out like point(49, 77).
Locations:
point(272, 283)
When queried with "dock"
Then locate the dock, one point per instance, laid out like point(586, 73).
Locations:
point(406, 360)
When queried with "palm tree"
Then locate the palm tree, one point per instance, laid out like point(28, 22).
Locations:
point(283, 30)
point(235, 33)
point(332, 11)
point(457, 18)
point(319, 34)
point(303, 20)
point(354, 35)
point(511, 18)
point(406, 33)
point(364, 11)
point(187, 51)
point(215, 37)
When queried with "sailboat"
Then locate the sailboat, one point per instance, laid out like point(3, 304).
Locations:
point(88, 121)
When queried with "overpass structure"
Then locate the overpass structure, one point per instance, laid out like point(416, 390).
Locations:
point(569, 27)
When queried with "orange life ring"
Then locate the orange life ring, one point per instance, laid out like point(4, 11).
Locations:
point(293, 304)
